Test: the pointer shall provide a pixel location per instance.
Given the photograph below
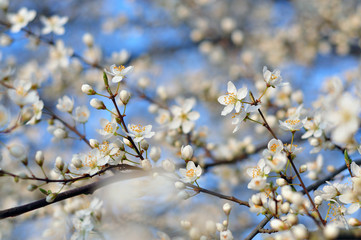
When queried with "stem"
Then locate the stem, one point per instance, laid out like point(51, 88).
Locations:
point(305, 189)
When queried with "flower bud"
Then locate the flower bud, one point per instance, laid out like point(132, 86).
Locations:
point(76, 162)
point(60, 133)
point(144, 145)
point(354, 222)
point(23, 175)
point(155, 153)
point(168, 165)
point(124, 96)
point(94, 143)
point(127, 142)
point(331, 231)
point(292, 219)
point(97, 104)
point(186, 152)
point(88, 39)
point(194, 233)
point(146, 165)
point(17, 151)
point(183, 195)
point(256, 200)
point(318, 200)
point(227, 208)
point(285, 207)
point(300, 231)
point(303, 168)
point(87, 89)
point(59, 164)
point(5, 40)
point(51, 197)
point(281, 182)
point(179, 185)
point(39, 158)
point(32, 187)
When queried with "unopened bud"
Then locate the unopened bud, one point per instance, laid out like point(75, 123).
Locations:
point(59, 164)
point(124, 96)
point(17, 151)
point(127, 142)
point(23, 175)
point(281, 182)
point(155, 153)
point(87, 89)
point(187, 152)
point(94, 143)
point(32, 187)
point(97, 104)
point(179, 185)
point(60, 133)
point(285, 207)
point(168, 165)
point(303, 168)
point(183, 195)
point(256, 200)
point(354, 222)
point(227, 208)
point(144, 145)
point(318, 200)
point(76, 162)
point(39, 158)
point(51, 197)
point(300, 231)
point(88, 39)
point(146, 165)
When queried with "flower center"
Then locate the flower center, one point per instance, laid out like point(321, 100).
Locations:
point(292, 122)
point(274, 147)
point(190, 173)
point(256, 172)
point(108, 128)
point(120, 68)
point(137, 128)
point(230, 98)
point(90, 161)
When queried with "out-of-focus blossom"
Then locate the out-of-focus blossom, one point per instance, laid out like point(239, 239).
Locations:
point(65, 104)
point(82, 114)
point(184, 116)
point(53, 24)
point(21, 19)
point(22, 94)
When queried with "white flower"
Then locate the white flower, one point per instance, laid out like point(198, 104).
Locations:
point(138, 132)
point(345, 119)
point(119, 73)
point(314, 128)
point(331, 191)
point(187, 152)
point(274, 146)
point(191, 172)
point(22, 94)
point(21, 19)
point(233, 99)
point(53, 24)
point(91, 162)
point(277, 162)
point(257, 183)
point(261, 170)
point(292, 124)
point(65, 104)
point(108, 128)
point(59, 55)
point(226, 235)
point(184, 116)
point(82, 114)
point(273, 79)
point(356, 170)
point(242, 114)
point(38, 110)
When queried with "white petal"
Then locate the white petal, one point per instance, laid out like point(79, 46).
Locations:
point(231, 88)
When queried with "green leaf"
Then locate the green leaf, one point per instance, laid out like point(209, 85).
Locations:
point(43, 191)
point(347, 158)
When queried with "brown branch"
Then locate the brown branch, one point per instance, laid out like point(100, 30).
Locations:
point(87, 189)
point(258, 228)
point(230, 198)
